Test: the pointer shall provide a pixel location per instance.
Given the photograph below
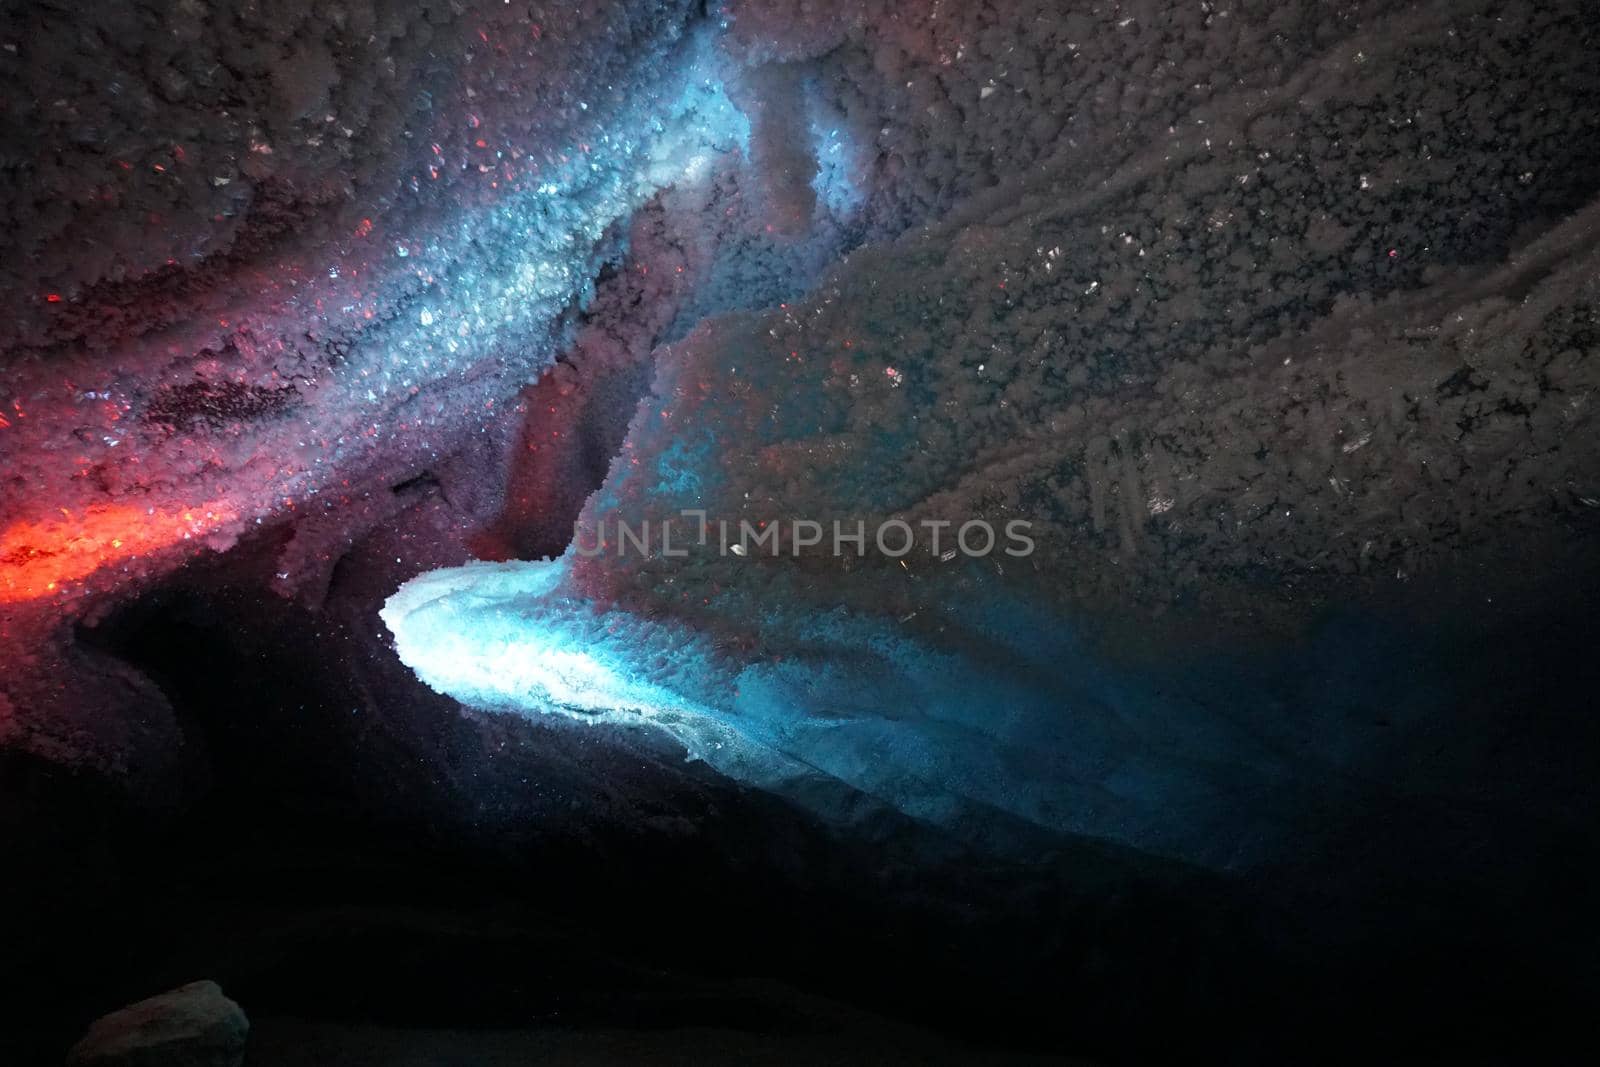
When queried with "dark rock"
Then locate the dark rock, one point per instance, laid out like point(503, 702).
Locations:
point(193, 1026)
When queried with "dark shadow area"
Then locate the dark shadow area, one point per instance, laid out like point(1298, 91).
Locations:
point(357, 850)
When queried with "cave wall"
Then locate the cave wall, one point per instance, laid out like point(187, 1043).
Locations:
point(1276, 320)
point(1239, 377)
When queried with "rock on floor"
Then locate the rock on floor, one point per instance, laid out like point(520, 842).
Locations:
point(193, 1026)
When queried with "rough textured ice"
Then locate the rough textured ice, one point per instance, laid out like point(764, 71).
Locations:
point(929, 733)
point(508, 636)
point(1009, 729)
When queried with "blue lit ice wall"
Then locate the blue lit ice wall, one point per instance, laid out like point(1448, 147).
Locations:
point(965, 706)
point(839, 183)
point(1013, 725)
point(495, 280)
point(934, 734)
point(945, 689)
point(1067, 347)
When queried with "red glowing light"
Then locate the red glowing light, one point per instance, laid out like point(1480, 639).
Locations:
point(37, 557)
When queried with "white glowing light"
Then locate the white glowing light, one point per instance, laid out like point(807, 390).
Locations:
point(500, 636)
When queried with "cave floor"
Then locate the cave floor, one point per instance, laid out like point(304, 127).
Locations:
point(832, 1035)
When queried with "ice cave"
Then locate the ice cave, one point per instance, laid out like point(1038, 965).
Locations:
point(799, 531)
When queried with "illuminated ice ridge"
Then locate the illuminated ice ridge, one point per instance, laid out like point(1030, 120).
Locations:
point(1006, 726)
point(508, 637)
point(855, 702)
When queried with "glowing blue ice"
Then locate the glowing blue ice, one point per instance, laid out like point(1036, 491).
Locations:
point(504, 636)
point(1006, 722)
point(852, 702)
point(483, 289)
point(508, 637)
point(835, 183)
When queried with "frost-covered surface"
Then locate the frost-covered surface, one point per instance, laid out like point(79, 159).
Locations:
point(1285, 350)
point(1277, 318)
point(478, 628)
point(269, 262)
point(939, 735)
point(377, 350)
point(1244, 306)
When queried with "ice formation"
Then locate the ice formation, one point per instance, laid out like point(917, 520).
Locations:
point(508, 636)
point(854, 701)
point(1185, 408)
point(410, 327)
point(1228, 342)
